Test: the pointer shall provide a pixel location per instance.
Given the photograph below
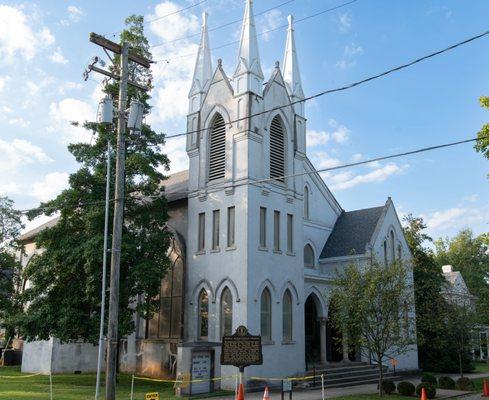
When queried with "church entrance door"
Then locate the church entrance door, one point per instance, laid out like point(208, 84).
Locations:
point(312, 332)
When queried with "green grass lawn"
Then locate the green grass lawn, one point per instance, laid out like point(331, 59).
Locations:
point(481, 367)
point(13, 385)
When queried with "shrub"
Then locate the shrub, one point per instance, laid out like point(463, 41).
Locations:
point(465, 384)
point(406, 388)
point(388, 387)
point(430, 389)
point(445, 382)
point(429, 378)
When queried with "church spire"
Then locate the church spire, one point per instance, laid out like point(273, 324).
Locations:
point(292, 76)
point(248, 75)
point(203, 68)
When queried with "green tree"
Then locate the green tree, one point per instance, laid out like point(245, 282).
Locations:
point(373, 307)
point(10, 227)
point(469, 254)
point(66, 277)
point(482, 144)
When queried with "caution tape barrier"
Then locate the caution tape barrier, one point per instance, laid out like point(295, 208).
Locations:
point(18, 377)
point(183, 381)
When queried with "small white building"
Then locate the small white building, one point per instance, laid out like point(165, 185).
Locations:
point(257, 232)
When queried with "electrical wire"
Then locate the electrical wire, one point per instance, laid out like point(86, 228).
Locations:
point(215, 28)
point(279, 178)
point(346, 87)
point(262, 33)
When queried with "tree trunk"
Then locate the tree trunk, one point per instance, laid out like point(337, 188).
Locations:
point(381, 378)
point(460, 364)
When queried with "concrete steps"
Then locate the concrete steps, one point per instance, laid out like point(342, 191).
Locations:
point(342, 375)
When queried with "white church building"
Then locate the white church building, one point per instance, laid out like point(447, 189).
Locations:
point(257, 233)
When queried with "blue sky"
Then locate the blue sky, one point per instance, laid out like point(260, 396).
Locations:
point(44, 49)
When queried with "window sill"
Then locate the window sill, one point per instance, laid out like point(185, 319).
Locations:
point(277, 251)
point(200, 252)
point(290, 253)
point(288, 342)
point(262, 248)
point(231, 248)
point(216, 250)
point(268, 342)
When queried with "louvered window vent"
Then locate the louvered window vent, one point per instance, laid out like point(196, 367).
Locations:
point(217, 151)
point(277, 150)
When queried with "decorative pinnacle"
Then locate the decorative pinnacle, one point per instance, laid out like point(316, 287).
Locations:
point(277, 64)
point(204, 19)
point(290, 18)
point(219, 62)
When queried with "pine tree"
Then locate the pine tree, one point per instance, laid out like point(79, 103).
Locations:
point(64, 297)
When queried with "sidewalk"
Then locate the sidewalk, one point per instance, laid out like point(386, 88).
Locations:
point(315, 394)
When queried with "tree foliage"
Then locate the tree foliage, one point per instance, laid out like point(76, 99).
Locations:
point(469, 254)
point(66, 277)
point(374, 308)
point(10, 227)
point(482, 144)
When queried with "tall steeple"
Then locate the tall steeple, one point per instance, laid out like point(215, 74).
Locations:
point(292, 76)
point(248, 75)
point(202, 71)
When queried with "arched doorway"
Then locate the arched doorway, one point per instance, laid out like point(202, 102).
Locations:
point(334, 344)
point(312, 331)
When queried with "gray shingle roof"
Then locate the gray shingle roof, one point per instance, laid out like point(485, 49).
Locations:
point(352, 232)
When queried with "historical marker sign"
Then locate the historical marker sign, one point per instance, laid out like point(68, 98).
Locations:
point(241, 349)
point(152, 396)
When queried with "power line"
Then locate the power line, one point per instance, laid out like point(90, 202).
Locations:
point(264, 32)
point(165, 16)
point(220, 26)
point(346, 87)
point(280, 178)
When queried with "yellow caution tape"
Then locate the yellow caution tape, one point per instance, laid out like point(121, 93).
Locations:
point(183, 381)
point(19, 377)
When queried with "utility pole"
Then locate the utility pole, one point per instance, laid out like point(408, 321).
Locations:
point(115, 257)
point(112, 330)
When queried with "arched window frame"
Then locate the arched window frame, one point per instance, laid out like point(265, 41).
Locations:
point(392, 245)
point(287, 317)
point(308, 247)
point(385, 252)
point(226, 312)
point(306, 202)
point(277, 147)
point(203, 316)
point(216, 165)
point(266, 315)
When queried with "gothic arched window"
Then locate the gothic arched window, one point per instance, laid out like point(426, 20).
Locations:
point(217, 149)
point(226, 312)
point(277, 149)
point(309, 261)
point(306, 202)
point(203, 315)
point(266, 315)
point(287, 317)
point(393, 246)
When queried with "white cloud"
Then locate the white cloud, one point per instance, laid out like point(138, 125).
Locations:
point(271, 21)
point(57, 57)
point(322, 159)
point(66, 86)
point(19, 122)
point(49, 187)
point(18, 153)
point(339, 134)
point(9, 188)
point(350, 54)
point(18, 37)
point(471, 198)
point(74, 14)
point(455, 218)
point(69, 110)
point(347, 180)
point(345, 22)
point(3, 82)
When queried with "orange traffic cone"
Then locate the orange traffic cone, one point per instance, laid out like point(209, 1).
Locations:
point(485, 388)
point(266, 396)
point(240, 392)
point(423, 394)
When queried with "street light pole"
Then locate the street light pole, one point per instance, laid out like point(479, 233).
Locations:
point(112, 332)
